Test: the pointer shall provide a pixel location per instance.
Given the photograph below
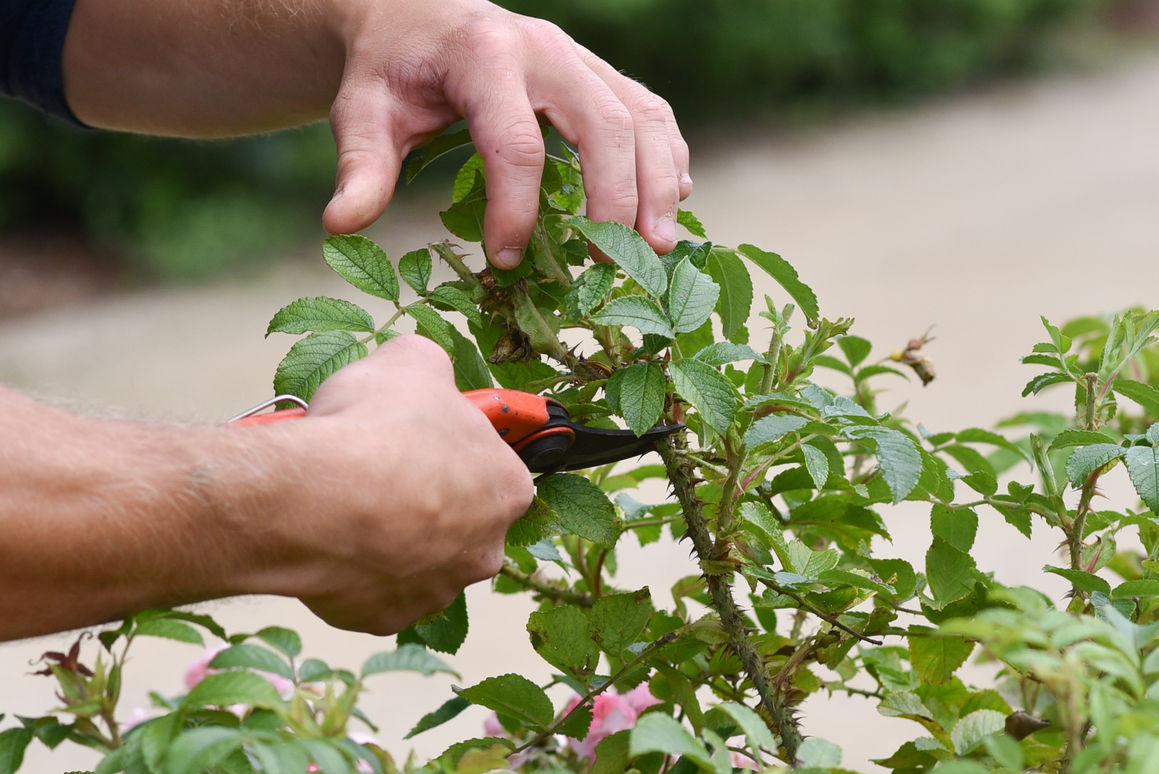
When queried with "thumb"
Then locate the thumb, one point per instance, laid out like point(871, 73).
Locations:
point(369, 158)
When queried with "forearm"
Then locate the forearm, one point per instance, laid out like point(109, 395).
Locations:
point(100, 518)
point(202, 68)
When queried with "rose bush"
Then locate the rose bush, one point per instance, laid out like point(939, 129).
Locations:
point(778, 489)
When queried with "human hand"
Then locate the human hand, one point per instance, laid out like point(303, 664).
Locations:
point(403, 492)
point(414, 67)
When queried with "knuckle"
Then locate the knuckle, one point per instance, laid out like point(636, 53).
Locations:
point(522, 145)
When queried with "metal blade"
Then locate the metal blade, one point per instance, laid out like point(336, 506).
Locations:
point(595, 446)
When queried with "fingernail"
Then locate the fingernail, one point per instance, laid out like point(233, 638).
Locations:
point(509, 257)
point(666, 228)
point(686, 179)
point(337, 195)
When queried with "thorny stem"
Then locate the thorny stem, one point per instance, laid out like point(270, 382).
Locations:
point(776, 714)
point(543, 589)
point(772, 355)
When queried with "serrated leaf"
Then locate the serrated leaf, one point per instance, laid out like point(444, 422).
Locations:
point(956, 526)
point(708, 390)
point(169, 629)
point(618, 621)
point(407, 658)
point(252, 657)
point(721, 352)
point(898, 457)
point(657, 732)
point(691, 223)
point(200, 749)
point(445, 631)
point(786, 276)
point(641, 313)
point(734, 304)
point(817, 753)
point(757, 734)
point(977, 435)
point(628, 250)
point(772, 428)
point(1143, 468)
point(562, 636)
point(969, 732)
point(320, 313)
point(936, 658)
point(816, 463)
point(415, 269)
point(591, 288)
point(640, 390)
point(311, 360)
point(284, 640)
point(951, 573)
point(691, 297)
point(471, 371)
point(281, 755)
point(1143, 394)
point(328, 755)
point(457, 298)
point(1042, 381)
point(1069, 438)
point(1083, 581)
point(450, 709)
point(856, 349)
point(1085, 460)
point(363, 264)
point(579, 507)
point(514, 696)
point(435, 149)
point(222, 689)
point(432, 325)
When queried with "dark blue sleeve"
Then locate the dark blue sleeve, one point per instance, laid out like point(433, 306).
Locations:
point(31, 44)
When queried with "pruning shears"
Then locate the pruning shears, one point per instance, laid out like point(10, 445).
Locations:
point(538, 428)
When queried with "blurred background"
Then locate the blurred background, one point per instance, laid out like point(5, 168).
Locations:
point(962, 164)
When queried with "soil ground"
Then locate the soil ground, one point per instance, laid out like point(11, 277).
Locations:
point(973, 215)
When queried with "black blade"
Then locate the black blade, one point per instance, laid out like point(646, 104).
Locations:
point(595, 446)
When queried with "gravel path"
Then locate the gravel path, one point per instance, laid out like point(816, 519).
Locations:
point(973, 216)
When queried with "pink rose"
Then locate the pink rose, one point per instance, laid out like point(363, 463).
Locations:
point(640, 698)
point(610, 713)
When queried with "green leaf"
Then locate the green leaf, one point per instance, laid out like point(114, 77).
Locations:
point(13, 742)
point(562, 636)
point(450, 709)
point(311, 360)
point(222, 689)
point(200, 749)
point(639, 312)
point(656, 732)
point(816, 463)
point(756, 733)
point(640, 390)
point(899, 458)
point(169, 629)
point(691, 223)
point(285, 640)
point(320, 313)
point(1143, 467)
point(579, 507)
point(721, 352)
point(956, 526)
point(856, 349)
point(1087, 459)
point(1069, 438)
point(445, 631)
point(1143, 394)
point(628, 250)
point(618, 621)
point(977, 435)
point(1083, 581)
point(471, 371)
point(772, 428)
point(282, 754)
point(514, 696)
point(951, 572)
point(408, 657)
point(691, 297)
point(252, 657)
point(935, 658)
point(327, 754)
point(363, 264)
point(456, 298)
point(786, 276)
point(432, 325)
point(736, 293)
point(708, 390)
point(415, 269)
point(435, 149)
point(969, 732)
point(591, 288)
point(818, 753)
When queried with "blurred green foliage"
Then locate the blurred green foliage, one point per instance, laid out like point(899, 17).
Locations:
point(757, 57)
point(179, 209)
